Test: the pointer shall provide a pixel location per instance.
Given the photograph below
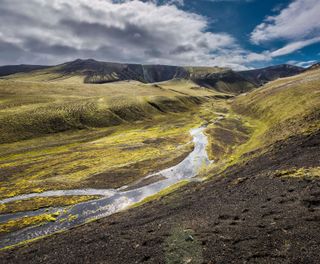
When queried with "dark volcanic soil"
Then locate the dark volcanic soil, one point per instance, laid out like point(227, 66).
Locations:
point(246, 215)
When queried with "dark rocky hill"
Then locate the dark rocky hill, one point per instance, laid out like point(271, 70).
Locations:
point(264, 75)
point(103, 72)
point(220, 79)
point(12, 69)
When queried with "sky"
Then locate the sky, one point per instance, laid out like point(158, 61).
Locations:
point(240, 34)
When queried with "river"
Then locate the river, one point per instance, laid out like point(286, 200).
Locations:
point(112, 201)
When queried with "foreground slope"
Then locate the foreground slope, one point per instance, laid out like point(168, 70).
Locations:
point(260, 203)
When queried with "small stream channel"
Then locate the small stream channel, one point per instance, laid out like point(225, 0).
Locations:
point(112, 201)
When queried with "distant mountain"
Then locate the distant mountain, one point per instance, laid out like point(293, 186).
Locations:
point(12, 69)
point(226, 81)
point(97, 72)
point(314, 66)
point(103, 72)
point(264, 75)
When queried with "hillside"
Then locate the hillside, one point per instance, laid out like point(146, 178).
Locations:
point(12, 69)
point(258, 202)
point(314, 66)
point(265, 75)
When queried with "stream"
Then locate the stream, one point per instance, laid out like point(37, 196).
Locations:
point(112, 200)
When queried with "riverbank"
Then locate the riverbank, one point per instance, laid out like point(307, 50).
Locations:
point(113, 200)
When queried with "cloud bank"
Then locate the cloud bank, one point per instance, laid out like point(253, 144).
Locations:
point(148, 31)
point(48, 32)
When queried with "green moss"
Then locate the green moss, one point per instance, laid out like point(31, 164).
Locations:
point(71, 160)
point(311, 172)
point(42, 202)
point(72, 217)
point(65, 106)
point(21, 223)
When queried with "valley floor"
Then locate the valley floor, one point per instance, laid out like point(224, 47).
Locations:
point(257, 212)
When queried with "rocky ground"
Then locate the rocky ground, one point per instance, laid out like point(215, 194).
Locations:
point(261, 211)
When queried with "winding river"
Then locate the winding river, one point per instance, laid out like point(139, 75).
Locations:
point(112, 200)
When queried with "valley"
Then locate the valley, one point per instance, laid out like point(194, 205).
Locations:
point(202, 164)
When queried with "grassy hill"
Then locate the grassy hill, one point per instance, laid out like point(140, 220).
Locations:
point(31, 106)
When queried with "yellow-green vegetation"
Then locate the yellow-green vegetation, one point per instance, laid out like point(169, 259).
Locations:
point(311, 172)
point(282, 108)
point(31, 107)
point(252, 122)
point(104, 158)
point(185, 88)
point(64, 134)
point(23, 222)
point(162, 193)
point(42, 202)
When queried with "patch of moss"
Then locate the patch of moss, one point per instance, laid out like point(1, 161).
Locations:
point(311, 172)
point(21, 223)
point(42, 202)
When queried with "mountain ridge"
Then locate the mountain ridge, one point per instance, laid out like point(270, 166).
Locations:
point(99, 72)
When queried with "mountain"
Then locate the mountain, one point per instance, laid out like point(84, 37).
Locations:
point(314, 67)
point(226, 81)
point(97, 72)
point(103, 72)
point(264, 75)
point(12, 69)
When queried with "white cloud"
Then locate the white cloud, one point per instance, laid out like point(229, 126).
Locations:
point(300, 20)
point(294, 46)
point(49, 32)
point(298, 24)
point(304, 64)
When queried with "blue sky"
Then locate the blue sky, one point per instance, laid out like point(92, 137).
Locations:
point(240, 17)
point(240, 34)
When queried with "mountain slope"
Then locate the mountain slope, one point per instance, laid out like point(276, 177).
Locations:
point(103, 72)
point(226, 81)
point(96, 72)
point(264, 75)
point(314, 67)
point(12, 69)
